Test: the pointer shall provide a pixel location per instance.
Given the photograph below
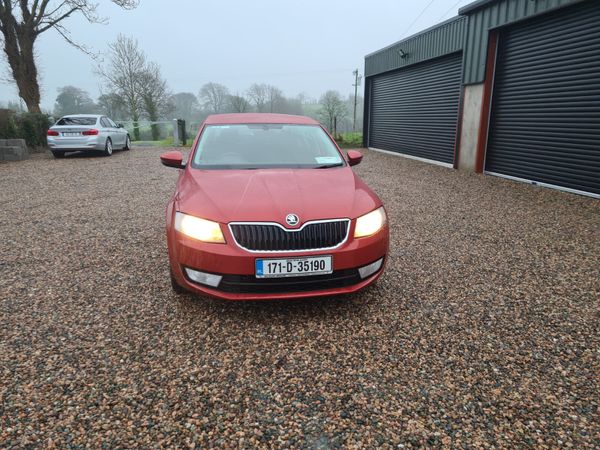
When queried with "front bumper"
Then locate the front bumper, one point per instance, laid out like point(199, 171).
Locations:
point(237, 266)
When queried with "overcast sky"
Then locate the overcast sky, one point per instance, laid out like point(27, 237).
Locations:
point(305, 46)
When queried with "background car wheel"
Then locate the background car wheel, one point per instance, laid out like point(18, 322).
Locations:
point(108, 148)
point(58, 154)
point(127, 144)
point(176, 287)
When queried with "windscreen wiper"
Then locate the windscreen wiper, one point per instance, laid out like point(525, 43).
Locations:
point(327, 166)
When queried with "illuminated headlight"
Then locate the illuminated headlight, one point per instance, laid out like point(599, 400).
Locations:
point(202, 277)
point(370, 223)
point(200, 229)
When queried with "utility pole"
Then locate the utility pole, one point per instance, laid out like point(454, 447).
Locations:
point(356, 84)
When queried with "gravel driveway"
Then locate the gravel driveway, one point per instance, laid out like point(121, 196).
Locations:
point(484, 331)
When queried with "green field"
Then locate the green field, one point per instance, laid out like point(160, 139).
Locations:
point(350, 140)
point(168, 142)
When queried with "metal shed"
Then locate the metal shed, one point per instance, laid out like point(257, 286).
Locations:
point(528, 98)
point(413, 94)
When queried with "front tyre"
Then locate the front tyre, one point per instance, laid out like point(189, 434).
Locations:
point(127, 144)
point(108, 148)
point(176, 287)
point(58, 154)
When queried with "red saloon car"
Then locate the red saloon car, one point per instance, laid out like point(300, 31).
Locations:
point(267, 207)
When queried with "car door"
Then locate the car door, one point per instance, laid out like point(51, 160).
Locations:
point(111, 132)
point(119, 132)
point(106, 130)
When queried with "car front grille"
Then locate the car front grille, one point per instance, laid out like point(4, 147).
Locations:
point(249, 284)
point(269, 237)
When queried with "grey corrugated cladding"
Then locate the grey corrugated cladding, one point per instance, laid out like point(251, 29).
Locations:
point(468, 32)
point(443, 39)
point(484, 15)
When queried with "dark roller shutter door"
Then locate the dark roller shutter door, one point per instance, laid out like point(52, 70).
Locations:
point(545, 122)
point(415, 110)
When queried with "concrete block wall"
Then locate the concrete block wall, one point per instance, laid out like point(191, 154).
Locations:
point(13, 150)
point(470, 128)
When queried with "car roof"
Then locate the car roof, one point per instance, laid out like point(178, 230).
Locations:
point(83, 115)
point(242, 118)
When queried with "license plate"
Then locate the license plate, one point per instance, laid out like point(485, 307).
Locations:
point(293, 267)
point(72, 134)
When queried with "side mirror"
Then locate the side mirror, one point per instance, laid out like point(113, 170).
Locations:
point(119, 125)
point(173, 159)
point(354, 157)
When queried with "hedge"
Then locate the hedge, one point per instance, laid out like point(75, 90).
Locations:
point(29, 126)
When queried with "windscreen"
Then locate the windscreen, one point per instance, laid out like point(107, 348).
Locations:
point(263, 146)
point(77, 121)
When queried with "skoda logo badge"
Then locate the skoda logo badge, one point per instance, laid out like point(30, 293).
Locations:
point(292, 220)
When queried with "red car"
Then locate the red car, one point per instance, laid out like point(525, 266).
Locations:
point(267, 207)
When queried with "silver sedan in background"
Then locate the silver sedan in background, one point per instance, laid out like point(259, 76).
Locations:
point(85, 132)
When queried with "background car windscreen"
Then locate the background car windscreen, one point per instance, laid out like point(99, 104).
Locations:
point(77, 121)
point(256, 146)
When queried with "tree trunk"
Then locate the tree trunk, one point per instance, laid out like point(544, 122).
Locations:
point(18, 47)
point(155, 132)
point(136, 128)
point(152, 111)
point(335, 136)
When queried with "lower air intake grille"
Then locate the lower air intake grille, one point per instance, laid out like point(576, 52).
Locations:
point(249, 284)
point(272, 238)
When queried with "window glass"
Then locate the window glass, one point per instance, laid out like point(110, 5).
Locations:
point(255, 146)
point(77, 121)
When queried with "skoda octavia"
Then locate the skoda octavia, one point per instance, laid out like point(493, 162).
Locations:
point(267, 206)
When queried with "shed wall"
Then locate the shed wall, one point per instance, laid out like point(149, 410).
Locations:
point(444, 39)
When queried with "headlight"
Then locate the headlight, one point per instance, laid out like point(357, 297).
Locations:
point(370, 223)
point(197, 228)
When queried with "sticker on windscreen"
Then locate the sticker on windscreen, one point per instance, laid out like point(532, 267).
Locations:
point(327, 159)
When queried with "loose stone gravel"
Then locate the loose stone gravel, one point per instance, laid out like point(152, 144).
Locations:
point(483, 332)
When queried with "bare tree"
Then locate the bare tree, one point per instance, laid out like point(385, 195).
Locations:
point(258, 94)
point(238, 103)
point(290, 106)
point(123, 74)
point(22, 21)
point(302, 98)
point(186, 105)
point(113, 106)
point(356, 125)
point(155, 97)
point(214, 97)
point(16, 106)
point(333, 109)
point(274, 98)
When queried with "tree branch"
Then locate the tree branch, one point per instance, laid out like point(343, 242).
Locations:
point(25, 11)
point(67, 37)
point(44, 14)
point(34, 7)
point(22, 21)
point(54, 22)
point(42, 11)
